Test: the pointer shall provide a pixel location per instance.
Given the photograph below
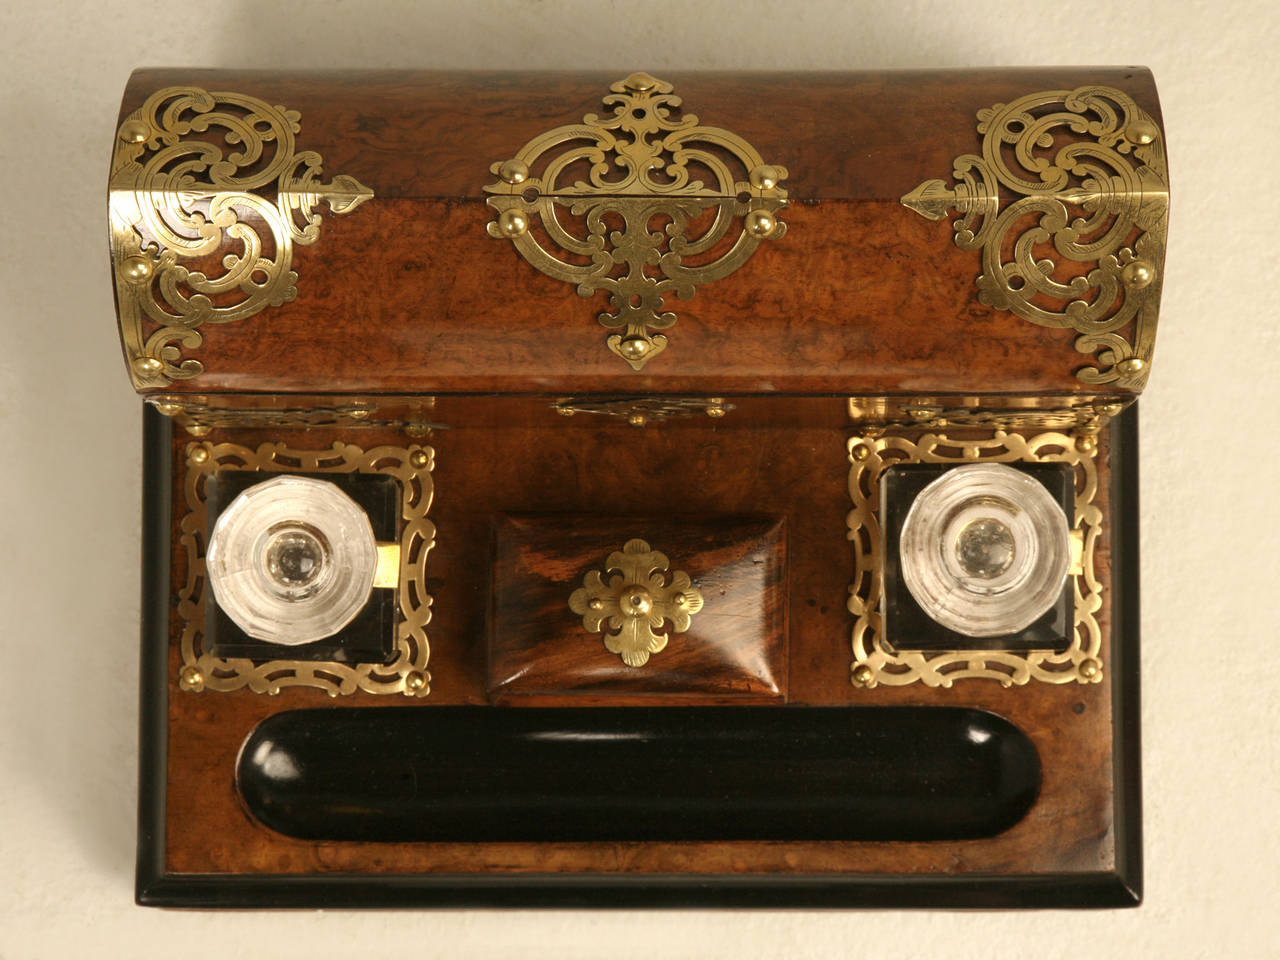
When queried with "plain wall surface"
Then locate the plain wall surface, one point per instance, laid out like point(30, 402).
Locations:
point(69, 489)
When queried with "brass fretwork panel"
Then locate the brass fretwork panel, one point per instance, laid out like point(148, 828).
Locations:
point(677, 189)
point(874, 661)
point(1081, 245)
point(197, 175)
point(411, 467)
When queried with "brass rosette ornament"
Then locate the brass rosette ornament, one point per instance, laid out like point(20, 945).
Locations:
point(636, 601)
point(642, 204)
point(1081, 243)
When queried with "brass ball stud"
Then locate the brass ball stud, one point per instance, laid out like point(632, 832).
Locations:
point(761, 223)
point(514, 171)
point(1142, 131)
point(765, 176)
point(636, 420)
point(863, 675)
point(1090, 668)
point(633, 349)
point(513, 223)
point(640, 82)
point(190, 678)
point(1086, 444)
point(133, 131)
point(198, 455)
point(596, 604)
point(1132, 366)
point(715, 411)
point(415, 680)
point(1137, 274)
point(147, 366)
point(136, 269)
point(860, 452)
point(419, 459)
point(635, 601)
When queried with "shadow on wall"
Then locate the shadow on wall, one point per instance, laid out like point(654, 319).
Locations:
point(594, 35)
point(70, 490)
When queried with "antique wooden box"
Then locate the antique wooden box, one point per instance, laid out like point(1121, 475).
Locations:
point(546, 484)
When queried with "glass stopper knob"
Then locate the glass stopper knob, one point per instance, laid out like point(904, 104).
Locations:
point(985, 548)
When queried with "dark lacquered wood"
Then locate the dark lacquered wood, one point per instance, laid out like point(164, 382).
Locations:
point(1125, 568)
point(801, 474)
point(409, 293)
point(735, 647)
point(628, 774)
point(157, 509)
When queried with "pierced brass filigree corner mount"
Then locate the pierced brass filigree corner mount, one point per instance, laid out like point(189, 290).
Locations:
point(1085, 228)
point(202, 180)
point(608, 204)
point(636, 602)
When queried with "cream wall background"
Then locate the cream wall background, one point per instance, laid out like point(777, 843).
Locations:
point(69, 430)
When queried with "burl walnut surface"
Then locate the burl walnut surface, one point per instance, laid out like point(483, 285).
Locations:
point(696, 469)
point(409, 294)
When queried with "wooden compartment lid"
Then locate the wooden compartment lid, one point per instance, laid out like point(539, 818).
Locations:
point(948, 232)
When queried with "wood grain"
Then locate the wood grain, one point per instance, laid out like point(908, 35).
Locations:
point(794, 472)
point(409, 294)
point(733, 652)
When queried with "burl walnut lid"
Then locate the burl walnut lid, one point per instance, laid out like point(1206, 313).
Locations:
point(940, 232)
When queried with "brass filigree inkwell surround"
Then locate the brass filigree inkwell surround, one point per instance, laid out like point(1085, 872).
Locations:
point(642, 204)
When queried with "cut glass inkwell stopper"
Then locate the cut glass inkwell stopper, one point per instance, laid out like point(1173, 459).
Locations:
point(292, 560)
point(985, 550)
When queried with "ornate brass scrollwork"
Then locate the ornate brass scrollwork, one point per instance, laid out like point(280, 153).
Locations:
point(641, 410)
point(187, 181)
point(405, 565)
point(1082, 244)
point(636, 602)
point(616, 198)
point(875, 662)
point(198, 416)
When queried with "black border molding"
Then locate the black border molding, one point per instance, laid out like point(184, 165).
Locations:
point(1119, 888)
point(153, 710)
point(1126, 685)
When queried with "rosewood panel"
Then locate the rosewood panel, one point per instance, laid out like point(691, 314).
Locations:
point(734, 649)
